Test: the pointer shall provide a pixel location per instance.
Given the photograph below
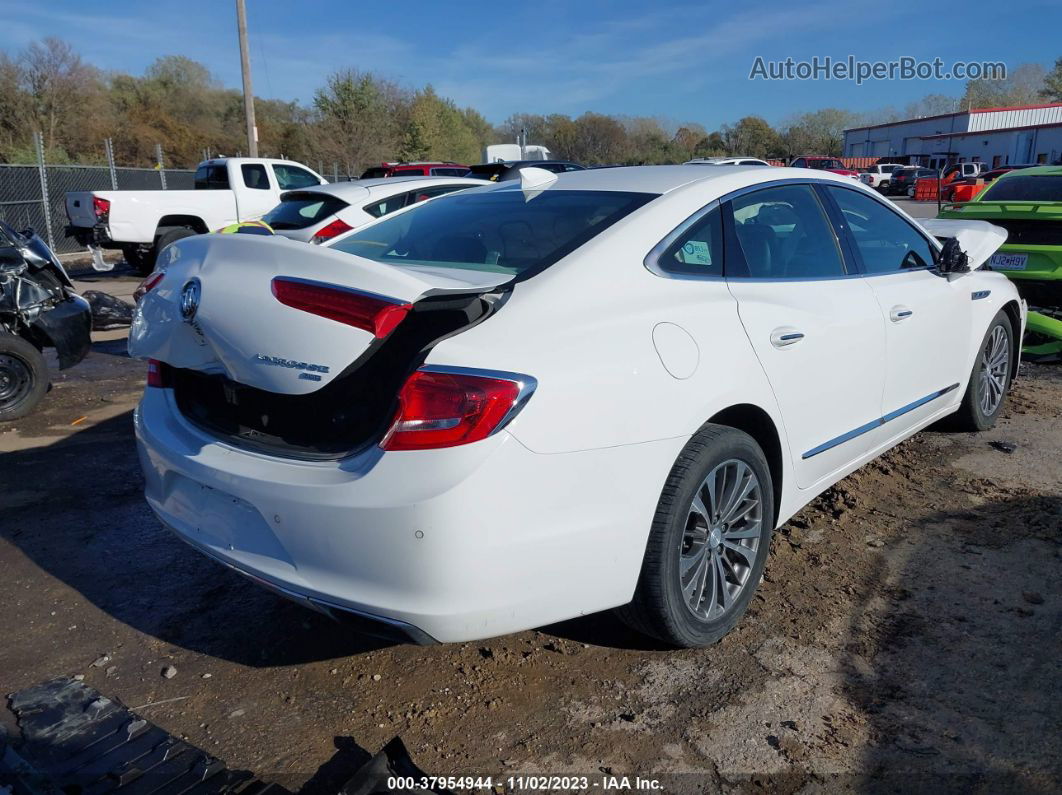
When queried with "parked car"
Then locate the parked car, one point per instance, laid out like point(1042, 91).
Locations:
point(320, 213)
point(143, 222)
point(428, 169)
point(38, 309)
point(904, 179)
point(964, 170)
point(500, 172)
point(727, 161)
point(503, 408)
point(879, 175)
point(966, 188)
point(1027, 202)
point(831, 164)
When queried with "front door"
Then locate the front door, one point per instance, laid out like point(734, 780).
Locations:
point(926, 316)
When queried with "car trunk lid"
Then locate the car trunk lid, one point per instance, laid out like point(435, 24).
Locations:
point(217, 310)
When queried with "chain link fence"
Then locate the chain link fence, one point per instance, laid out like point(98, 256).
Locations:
point(35, 195)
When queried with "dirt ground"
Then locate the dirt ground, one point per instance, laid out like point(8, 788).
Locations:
point(906, 636)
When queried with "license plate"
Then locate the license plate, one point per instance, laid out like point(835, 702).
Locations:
point(1009, 262)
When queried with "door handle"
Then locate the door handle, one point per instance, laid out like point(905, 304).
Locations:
point(784, 337)
point(899, 312)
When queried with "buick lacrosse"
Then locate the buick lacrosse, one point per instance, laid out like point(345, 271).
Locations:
point(549, 397)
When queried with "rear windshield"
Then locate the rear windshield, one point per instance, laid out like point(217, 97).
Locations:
point(488, 170)
point(300, 210)
point(825, 164)
point(1026, 188)
point(499, 231)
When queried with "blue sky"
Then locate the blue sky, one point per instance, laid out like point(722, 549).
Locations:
point(678, 60)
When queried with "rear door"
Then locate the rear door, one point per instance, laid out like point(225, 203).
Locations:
point(926, 317)
point(814, 324)
point(256, 194)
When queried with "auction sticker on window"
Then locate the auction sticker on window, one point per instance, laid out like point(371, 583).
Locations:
point(1009, 262)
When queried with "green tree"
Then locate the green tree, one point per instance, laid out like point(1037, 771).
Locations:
point(1052, 88)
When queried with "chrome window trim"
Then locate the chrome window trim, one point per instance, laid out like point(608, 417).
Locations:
point(652, 259)
point(526, 386)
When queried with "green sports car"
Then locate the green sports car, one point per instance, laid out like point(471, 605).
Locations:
point(1028, 204)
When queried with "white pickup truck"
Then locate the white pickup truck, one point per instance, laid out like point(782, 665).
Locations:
point(879, 175)
point(143, 222)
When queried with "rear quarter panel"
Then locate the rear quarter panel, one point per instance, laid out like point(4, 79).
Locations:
point(585, 329)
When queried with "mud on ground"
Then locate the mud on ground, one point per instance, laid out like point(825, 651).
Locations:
point(906, 635)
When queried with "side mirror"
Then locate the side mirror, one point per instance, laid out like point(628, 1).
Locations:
point(952, 258)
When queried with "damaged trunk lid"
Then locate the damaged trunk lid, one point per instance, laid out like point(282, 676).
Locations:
point(297, 349)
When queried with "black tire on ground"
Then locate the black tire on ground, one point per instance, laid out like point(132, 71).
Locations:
point(884, 186)
point(979, 412)
point(660, 607)
point(136, 258)
point(23, 377)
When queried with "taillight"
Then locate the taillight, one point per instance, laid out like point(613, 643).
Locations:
point(446, 407)
point(147, 285)
point(369, 312)
point(101, 207)
point(157, 374)
point(324, 234)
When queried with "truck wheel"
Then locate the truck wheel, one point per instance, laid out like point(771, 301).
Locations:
point(136, 258)
point(23, 377)
point(884, 187)
point(171, 235)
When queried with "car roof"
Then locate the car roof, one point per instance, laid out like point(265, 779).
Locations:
point(663, 179)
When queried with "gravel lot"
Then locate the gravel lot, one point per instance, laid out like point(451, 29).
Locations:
point(906, 636)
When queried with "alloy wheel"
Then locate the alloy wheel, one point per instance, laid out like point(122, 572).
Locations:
point(995, 366)
point(721, 540)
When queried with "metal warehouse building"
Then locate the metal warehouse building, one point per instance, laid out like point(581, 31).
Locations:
point(996, 136)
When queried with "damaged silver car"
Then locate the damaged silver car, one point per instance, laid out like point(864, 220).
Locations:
point(38, 309)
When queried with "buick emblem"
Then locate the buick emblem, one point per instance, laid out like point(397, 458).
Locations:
point(190, 300)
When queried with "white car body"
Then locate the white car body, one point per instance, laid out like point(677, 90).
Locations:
point(362, 202)
point(617, 364)
point(727, 161)
point(139, 216)
point(877, 176)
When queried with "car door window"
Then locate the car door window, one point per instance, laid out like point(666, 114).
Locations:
point(886, 243)
point(696, 250)
point(292, 177)
point(782, 233)
point(254, 176)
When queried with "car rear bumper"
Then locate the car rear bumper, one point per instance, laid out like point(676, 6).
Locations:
point(448, 545)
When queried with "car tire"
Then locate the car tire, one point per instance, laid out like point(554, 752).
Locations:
point(911, 192)
point(23, 377)
point(698, 533)
point(990, 378)
point(884, 187)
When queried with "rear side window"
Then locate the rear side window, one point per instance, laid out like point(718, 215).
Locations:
point(292, 177)
point(697, 251)
point(387, 206)
point(498, 231)
point(408, 172)
point(885, 241)
point(449, 171)
point(783, 233)
point(300, 210)
point(211, 178)
point(254, 176)
point(1026, 188)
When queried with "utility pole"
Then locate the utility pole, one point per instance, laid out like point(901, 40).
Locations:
point(248, 94)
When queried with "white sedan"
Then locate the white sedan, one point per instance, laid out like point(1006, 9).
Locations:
point(554, 396)
point(320, 213)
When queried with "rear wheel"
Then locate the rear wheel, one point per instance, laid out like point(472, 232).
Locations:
point(708, 543)
point(884, 186)
point(23, 377)
point(990, 378)
point(171, 235)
